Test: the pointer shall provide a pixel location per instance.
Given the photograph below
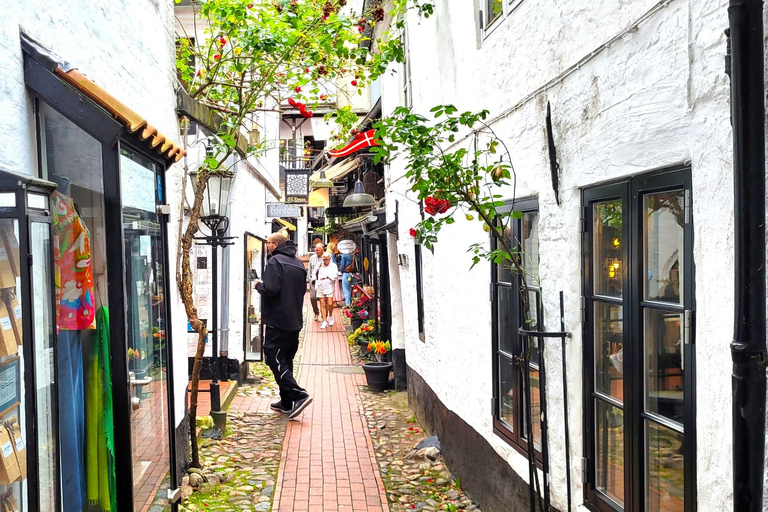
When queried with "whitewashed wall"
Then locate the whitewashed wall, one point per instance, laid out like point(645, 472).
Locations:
point(125, 47)
point(656, 97)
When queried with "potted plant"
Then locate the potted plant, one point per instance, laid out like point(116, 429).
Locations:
point(357, 312)
point(377, 373)
point(363, 335)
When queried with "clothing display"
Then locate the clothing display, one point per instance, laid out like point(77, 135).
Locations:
point(72, 255)
point(75, 313)
point(100, 443)
point(69, 354)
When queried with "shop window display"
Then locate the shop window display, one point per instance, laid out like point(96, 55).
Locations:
point(72, 160)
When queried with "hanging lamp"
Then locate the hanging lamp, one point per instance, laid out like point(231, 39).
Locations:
point(358, 198)
point(322, 182)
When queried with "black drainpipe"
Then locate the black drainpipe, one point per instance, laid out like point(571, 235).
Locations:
point(748, 348)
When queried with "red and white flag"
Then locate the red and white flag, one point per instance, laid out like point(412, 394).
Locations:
point(361, 140)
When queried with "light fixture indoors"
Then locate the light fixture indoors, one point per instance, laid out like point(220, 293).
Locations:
point(322, 182)
point(358, 198)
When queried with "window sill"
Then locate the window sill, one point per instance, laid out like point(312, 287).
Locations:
point(505, 435)
point(486, 31)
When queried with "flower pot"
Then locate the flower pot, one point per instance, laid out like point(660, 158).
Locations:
point(363, 344)
point(356, 323)
point(377, 375)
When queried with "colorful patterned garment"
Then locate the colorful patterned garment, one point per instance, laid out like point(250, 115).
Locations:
point(72, 255)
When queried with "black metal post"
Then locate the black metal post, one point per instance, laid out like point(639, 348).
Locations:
point(748, 347)
point(215, 395)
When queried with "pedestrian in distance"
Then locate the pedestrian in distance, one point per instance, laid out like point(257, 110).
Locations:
point(327, 274)
point(283, 288)
point(314, 261)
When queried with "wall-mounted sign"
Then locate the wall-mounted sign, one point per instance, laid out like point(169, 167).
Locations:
point(346, 246)
point(283, 210)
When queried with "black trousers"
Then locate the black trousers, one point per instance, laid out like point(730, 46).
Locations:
point(279, 350)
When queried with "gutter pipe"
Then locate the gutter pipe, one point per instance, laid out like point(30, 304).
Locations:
point(748, 348)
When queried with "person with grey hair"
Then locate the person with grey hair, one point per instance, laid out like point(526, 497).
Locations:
point(314, 261)
point(326, 274)
point(283, 289)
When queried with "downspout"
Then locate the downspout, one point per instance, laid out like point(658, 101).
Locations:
point(748, 348)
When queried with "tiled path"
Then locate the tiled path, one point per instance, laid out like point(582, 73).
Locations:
point(328, 462)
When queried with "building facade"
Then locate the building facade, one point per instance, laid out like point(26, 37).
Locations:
point(635, 235)
point(99, 407)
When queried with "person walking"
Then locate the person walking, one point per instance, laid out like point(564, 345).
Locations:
point(283, 291)
point(348, 269)
point(326, 274)
point(336, 258)
point(314, 261)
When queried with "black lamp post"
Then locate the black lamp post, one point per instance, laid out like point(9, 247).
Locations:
point(213, 215)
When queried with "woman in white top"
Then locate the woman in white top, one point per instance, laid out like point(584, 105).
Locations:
point(326, 274)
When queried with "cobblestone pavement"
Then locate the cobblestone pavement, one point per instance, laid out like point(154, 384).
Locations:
point(348, 450)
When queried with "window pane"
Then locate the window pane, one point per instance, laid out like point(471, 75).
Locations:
point(535, 408)
point(664, 364)
point(609, 350)
point(507, 331)
point(664, 220)
point(665, 489)
point(145, 315)
point(504, 273)
point(507, 372)
point(608, 265)
point(609, 465)
point(40, 244)
point(494, 10)
point(529, 242)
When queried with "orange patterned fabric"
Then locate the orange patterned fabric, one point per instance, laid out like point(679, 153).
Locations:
point(74, 278)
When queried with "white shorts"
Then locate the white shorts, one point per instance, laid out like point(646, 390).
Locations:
point(319, 294)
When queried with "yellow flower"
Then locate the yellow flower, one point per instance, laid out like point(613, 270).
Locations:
point(238, 50)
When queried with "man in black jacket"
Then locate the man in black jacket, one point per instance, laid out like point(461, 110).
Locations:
point(283, 288)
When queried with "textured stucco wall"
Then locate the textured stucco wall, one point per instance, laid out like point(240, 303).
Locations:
point(125, 47)
point(654, 98)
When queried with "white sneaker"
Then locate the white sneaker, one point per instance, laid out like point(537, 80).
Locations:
point(324, 324)
point(330, 320)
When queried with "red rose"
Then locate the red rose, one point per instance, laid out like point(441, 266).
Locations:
point(216, 57)
point(430, 210)
point(306, 70)
point(413, 232)
point(292, 102)
point(323, 97)
point(360, 28)
point(298, 89)
point(222, 41)
point(354, 83)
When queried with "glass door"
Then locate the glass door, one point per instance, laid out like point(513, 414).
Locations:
point(254, 269)
point(146, 322)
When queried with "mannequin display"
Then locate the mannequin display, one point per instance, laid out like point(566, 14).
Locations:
point(75, 313)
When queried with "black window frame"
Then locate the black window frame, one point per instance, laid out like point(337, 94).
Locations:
point(517, 436)
point(631, 191)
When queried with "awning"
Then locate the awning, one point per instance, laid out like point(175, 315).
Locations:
point(338, 171)
point(133, 122)
point(286, 224)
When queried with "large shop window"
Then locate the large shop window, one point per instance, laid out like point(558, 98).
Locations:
point(510, 418)
point(638, 352)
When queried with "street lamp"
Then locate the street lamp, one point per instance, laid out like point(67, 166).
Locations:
point(213, 214)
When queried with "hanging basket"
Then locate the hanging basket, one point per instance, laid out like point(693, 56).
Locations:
point(377, 375)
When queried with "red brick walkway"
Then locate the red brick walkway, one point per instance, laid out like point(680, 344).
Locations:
point(328, 462)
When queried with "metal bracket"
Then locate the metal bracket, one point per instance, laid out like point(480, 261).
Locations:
point(687, 206)
point(583, 310)
point(687, 326)
point(583, 469)
point(163, 209)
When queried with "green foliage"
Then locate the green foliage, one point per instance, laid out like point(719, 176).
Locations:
point(256, 54)
point(468, 181)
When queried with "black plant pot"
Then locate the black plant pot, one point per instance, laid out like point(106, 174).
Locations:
point(356, 323)
point(377, 375)
point(363, 347)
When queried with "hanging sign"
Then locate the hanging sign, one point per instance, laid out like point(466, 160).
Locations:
point(346, 246)
point(283, 210)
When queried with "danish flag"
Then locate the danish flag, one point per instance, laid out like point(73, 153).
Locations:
point(361, 140)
